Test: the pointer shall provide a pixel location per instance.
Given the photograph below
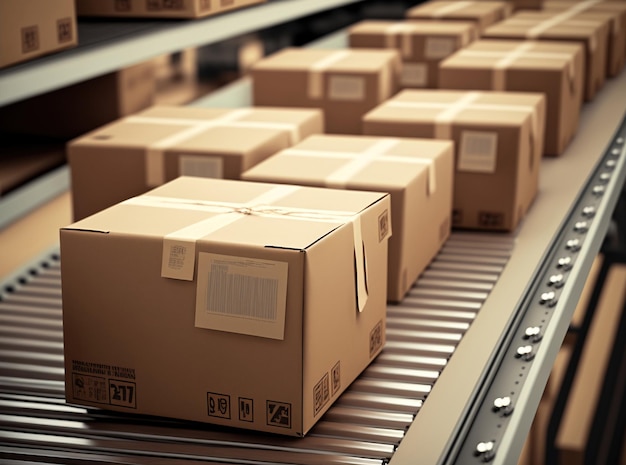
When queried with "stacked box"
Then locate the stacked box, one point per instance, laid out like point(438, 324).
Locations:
point(159, 8)
point(616, 11)
point(517, 5)
point(482, 13)
point(498, 138)
point(550, 67)
point(416, 172)
point(131, 155)
point(229, 302)
point(84, 106)
point(422, 45)
point(344, 83)
point(32, 28)
point(589, 30)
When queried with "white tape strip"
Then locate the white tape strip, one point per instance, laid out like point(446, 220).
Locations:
point(450, 8)
point(443, 126)
point(179, 247)
point(155, 159)
point(403, 31)
point(316, 74)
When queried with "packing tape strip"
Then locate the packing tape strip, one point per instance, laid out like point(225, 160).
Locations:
point(356, 161)
point(443, 130)
point(315, 89)
point(524, 50)
point(179, 247)
point(155, 157)
point(402, 31)
point(450, 8)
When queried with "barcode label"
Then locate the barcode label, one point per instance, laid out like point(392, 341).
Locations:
point(438, 47)
point(201, 166)
point(349, 88)
point(414, 75)
point(241, 295)
point(478, 152)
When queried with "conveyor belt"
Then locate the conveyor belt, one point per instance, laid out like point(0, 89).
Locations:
point(363, 427)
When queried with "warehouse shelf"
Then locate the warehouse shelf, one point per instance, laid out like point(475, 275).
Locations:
point(106, 45)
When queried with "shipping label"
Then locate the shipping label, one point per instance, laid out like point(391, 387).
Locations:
point(414, 75)
point(478, 152)
point(104, 384)
point(350, 88)
point(201, 166)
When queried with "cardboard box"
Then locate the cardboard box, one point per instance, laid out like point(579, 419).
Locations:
point(74, 110)
point(344, 83)
point(128, 157)
point(517, 5)
point(498, 138)
point(32, 28)
point(590, 31)
point(616, 11)
point(482, 13)
point(421, 44)
point(229, 302)
point(159, 8)
point(416, 172)
point(550, 67)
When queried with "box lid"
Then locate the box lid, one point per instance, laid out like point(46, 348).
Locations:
point(304, 59)
point(414, 27)
point(452, 9)
point(383, 163)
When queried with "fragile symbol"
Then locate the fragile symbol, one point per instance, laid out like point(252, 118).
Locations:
point(218, 405)
point(278, 414)
point(246, 412)
point(335, 378)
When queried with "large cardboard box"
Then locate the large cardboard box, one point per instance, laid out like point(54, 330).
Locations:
point(32, 28)
point(422, 45)
point(74, 110)
point(482, 13)
point(159, 8)
point(344, 83)
point(416, 172)
point(128, 157)
point(616, 11)
point(550, 67)
point(498, 138)
point(587, 29)
point(241, 304)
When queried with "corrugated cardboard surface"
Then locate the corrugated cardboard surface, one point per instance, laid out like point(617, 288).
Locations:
point(422, 44)
point(131, 341)
point(550, 67)
point(589, 30)
point(617, 36)
point(131, 155)
point(483, 13)
point(417, 173)
point(159, 8)
point(31, 28)
point(497, 147)
point(344, 83)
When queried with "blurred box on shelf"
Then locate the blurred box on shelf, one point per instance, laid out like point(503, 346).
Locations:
point(550, 67)
point(589, 30)
point(416, 172)
point(482, 13)
point(74, 110)
point(498, 138)
point(159, 8)
point(32, 28)
point(616, 12)
point(421, 44)
point(243, 304)
point(344, 83)
point(129, 156)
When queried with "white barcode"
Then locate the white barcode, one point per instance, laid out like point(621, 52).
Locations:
point(241, 295)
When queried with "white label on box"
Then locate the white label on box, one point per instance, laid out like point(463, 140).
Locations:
point(478, 152)
point(414, 75)
point(201, 166)
point(346, 88)
point(438, 47)
point(241, 295)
